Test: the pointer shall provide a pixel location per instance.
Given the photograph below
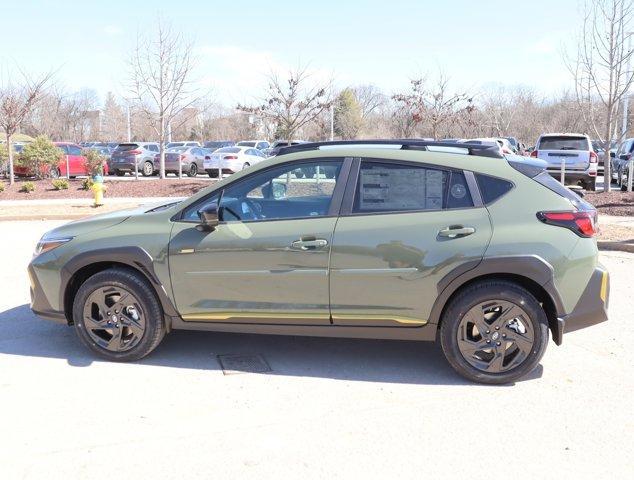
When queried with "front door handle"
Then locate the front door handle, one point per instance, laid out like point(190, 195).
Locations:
point(455, 231)
point(309, 244)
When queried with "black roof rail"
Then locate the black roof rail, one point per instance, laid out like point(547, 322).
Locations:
point(481, 149)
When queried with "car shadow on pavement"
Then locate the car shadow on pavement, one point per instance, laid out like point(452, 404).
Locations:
point(388, 361)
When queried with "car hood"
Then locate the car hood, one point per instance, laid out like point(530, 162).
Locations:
point(103, 220)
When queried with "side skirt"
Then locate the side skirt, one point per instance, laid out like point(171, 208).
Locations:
point(425, 333)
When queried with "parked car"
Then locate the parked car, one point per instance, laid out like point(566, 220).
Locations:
point(130, 156)
point(182, 144)
point(259, 144)
point(599, 149)
point(620, 161)
point(575, 151)
point(191, 160)
point(403, 244)
point(218, 144)
point(279, 144)
point(232, 159)
point(72, 163)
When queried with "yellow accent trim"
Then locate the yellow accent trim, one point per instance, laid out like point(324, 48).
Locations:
point(220, 316)
point(604, 287)
point(391, 318)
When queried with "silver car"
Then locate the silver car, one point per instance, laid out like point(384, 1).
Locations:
point(190, 159)
point(131, 157)
point(232, 159)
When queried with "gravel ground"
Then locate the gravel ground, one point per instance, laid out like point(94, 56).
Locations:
point(612, 203)
point(330, 408)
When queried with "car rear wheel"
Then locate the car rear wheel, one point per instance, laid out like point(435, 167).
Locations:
point(193, 170)
point(148, 169)
point(494, 332)
point(246, 165)
point(117, 315)
point(119, 173)
point(212, 173)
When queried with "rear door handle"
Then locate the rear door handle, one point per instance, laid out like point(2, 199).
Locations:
point(456, 231)
point(309, 244)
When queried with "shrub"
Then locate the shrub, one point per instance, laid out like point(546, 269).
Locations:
point(94, 162)
point(39, 154)
point(87, 183)
point(27, 187)
point(60, 184)
point(1, 187)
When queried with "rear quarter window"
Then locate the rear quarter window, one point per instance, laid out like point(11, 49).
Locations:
point(492, 188)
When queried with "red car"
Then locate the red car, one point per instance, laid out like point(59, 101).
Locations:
point(72, 157)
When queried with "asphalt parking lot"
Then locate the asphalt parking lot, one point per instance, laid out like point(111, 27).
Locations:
point(329, 408)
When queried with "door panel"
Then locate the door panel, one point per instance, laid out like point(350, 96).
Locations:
point(251, 272)
point(385, 268)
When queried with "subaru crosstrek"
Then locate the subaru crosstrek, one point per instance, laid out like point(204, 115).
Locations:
point(414, 240)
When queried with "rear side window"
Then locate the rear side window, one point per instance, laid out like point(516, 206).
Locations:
point(492, 188)
point(563, 143)
point(74, 150)
point(388, 187)
point(153, 148)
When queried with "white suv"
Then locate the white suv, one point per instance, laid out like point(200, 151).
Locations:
point(575, 152)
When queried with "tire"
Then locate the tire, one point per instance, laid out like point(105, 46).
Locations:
point(148, 169)
point(246, 165)
point(477, 297)
point(119, 173)
point(193, 170)
point(590, 185)
point(212, 173)
point(141, 298)
point(54, 172)
point(298, 173)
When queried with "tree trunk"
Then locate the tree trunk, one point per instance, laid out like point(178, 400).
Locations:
point(607, 171)
point(10, 151)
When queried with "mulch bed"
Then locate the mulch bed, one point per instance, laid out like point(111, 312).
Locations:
point(142, 188)
point(612, 203)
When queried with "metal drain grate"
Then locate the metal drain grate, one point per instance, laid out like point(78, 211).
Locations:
point(234, 364)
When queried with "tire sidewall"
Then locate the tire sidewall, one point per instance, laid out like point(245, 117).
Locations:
point(481, 293)
point(149, 305)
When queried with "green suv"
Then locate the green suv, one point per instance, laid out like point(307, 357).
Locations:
point(404, 240)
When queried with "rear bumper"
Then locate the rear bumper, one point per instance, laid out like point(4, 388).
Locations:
point(574, 176)
point(592, 307)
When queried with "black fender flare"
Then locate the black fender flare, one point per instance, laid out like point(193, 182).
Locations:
point(532, 267)
point(132, 256)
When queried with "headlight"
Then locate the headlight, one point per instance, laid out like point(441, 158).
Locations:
point(46, 244)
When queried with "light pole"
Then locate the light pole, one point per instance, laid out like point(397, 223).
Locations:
point(332, 122)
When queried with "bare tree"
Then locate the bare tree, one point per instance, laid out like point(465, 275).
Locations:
point(160, 72)
point(600, 67)
point(292, 102)
point(370, 99)
point(432, 105)
point(17, 99)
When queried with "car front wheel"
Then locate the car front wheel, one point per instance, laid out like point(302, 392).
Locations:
point(117, 315)
point(494, 332)
point(148, 169)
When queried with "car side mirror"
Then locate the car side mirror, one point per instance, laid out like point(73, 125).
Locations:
point(209, 217)
point(612, 154)
point(207, 157)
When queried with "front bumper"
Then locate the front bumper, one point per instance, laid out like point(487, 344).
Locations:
point(40, 305)
point(592, 307)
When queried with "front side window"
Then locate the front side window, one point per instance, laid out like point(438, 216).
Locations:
point(287, 191)
point(390, 187)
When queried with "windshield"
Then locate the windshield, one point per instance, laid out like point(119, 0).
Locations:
point(564, 143)
point(177, 149)
point(123, 147)
point(246, 144)
point(228, 150)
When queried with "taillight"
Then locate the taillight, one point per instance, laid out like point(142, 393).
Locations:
point(183, 157)
point(583, 223)
point(230, 157)
point(593, 157)
point(534, 153)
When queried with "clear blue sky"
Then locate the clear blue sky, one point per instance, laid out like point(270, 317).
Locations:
point(384, 43)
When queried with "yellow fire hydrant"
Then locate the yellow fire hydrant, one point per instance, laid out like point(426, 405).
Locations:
point(97, 189)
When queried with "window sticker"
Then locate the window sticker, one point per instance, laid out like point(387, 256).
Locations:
point(401, 189)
